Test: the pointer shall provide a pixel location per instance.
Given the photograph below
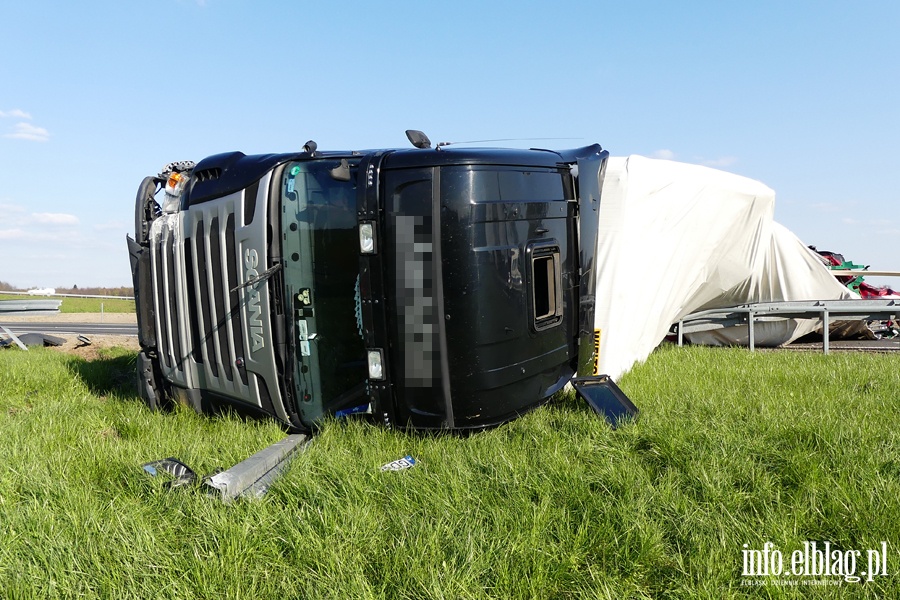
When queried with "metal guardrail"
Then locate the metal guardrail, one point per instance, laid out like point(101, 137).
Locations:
point(749, 314)
point(15, 308)
point(70, 296)
point(863, 272)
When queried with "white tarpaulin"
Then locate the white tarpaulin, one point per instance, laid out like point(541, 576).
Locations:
point(676, 238)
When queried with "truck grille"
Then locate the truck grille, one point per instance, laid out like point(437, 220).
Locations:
point(197, 268)
point(219, 325)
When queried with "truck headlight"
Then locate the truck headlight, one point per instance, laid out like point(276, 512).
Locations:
point(367, 237)
point(376, 364)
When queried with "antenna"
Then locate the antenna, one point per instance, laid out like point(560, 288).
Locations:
point(442, 144)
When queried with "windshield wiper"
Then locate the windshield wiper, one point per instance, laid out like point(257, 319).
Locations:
point(261, 277)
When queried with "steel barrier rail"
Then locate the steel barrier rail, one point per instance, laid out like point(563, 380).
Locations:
point(68, 296)
point(862, 272)
point(13, 308)
point(749, 314)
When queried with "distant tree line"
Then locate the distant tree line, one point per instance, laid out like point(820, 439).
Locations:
point(87, 291)
point(97, 291)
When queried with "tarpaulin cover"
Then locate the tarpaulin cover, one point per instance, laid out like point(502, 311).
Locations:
point(676, 238)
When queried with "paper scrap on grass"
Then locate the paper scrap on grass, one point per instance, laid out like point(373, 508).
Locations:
point(399, 464)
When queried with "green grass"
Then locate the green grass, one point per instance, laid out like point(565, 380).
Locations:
point(95, 305)
point(83, 305)
point(731, 448)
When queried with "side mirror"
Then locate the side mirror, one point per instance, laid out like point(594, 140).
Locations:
point(341, 172)
point(606, 398)
point(418, 139)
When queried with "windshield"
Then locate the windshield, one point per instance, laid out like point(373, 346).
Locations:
point(321, 258)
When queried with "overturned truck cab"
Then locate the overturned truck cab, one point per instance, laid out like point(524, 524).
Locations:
point(433, 289)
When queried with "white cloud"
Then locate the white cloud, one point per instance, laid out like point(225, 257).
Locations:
point(12, 234)
point(27, 131)
point(31, 225)
point(663, 154)
point(54, 249)
point(9, 209)
point(14, 113)
point(55, 218)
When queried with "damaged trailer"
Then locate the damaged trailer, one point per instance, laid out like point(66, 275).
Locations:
point(430, 288)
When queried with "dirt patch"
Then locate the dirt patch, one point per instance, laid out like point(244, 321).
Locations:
point(98, 342)
point(79, 348)
point(92, 350)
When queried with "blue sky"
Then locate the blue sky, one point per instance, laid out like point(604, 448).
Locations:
point(94, 95)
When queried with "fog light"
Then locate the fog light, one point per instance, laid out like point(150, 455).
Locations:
point(376, 364)
point(367, 237)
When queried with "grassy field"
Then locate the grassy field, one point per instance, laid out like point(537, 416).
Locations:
point(731, 448)
point(82, 305)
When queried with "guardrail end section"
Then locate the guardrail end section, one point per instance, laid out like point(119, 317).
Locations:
point(252, 477)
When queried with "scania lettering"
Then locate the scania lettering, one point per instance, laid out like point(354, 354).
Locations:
point(255, 310)
point(439, 288)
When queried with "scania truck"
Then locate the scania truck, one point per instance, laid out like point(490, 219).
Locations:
point(433, 288)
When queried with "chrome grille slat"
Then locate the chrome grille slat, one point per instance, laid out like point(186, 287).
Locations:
point(216, 248)
point(218, 308)
point(201, 286)
point(159, 299)
point(168, 298)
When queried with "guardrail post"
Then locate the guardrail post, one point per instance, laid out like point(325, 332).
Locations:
point(825, 330)
point(751, 316)
point(680, 333)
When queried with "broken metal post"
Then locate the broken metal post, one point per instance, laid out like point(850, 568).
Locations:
point(253, 476)
point(13, 337)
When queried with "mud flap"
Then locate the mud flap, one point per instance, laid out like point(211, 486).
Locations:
point(605, 398)
point(143, 284)
point(148, 383)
